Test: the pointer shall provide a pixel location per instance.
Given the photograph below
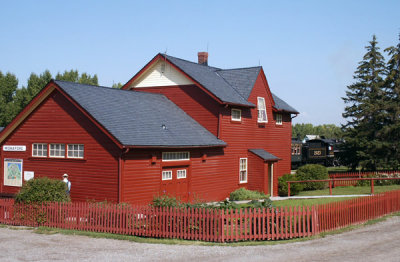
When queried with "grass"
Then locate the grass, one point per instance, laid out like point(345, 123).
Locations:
point(338, 169)
point(335, 191)
point(350, 190)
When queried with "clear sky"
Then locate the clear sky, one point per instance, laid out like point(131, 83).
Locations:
point(308, 49)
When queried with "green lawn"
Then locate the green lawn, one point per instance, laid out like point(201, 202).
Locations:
point(335, 191)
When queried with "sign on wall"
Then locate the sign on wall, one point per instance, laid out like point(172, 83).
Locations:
point(28, 175)
point(14, 148)
point(12, 172)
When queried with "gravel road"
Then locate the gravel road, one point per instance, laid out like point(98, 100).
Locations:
point(379, 242)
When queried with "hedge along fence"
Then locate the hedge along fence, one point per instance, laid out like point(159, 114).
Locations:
point(214, 225)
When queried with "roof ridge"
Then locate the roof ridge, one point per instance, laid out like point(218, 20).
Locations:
point(239, 68)
point(217, 68)
point(110, 88)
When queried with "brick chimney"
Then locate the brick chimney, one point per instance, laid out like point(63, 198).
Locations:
point(203, 58)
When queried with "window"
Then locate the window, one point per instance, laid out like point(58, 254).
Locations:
point(57, 150)
point(175, 156)
point(243, 170)
point(75, 151)
point(278, 119)
point(181, 173)
point(262, 111)
point(236, 114)
point(167, 175)
point(39, 150)
point(296, 149)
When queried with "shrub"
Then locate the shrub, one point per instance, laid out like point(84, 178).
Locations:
point(312, 172)
point(295, 188)
point(44, 189)
point(165, 201)
point(244, 194)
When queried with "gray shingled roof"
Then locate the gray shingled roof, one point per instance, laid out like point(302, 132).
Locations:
point(229, 85)
point(266, 156)
point(1, 128)
point(139, 118)
point(209, 78)
point(282, 105)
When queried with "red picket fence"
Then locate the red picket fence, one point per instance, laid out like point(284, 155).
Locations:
point(340, 175)
point(198, 223)
point(337, 215)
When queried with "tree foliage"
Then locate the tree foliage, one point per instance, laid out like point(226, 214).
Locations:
point(14, 99)
point(372, 111)
point(327, 131)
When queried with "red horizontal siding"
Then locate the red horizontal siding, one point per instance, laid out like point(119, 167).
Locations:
point(56, 120)
point(195, 102)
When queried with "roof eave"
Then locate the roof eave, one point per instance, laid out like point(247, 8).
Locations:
point(174, 146)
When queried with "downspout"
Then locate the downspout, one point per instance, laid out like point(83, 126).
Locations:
point(124, 151)
point(272, 179)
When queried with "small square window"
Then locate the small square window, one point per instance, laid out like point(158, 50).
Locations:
point(278, 119)
point(57, 150)
point(236, 114)
point(181, 173)
point(39, 150)
point(75, 151)
point(167, 175)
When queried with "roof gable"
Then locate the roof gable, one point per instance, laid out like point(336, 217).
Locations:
point(161, 73)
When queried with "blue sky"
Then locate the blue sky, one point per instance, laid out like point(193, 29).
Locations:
point(308, 49)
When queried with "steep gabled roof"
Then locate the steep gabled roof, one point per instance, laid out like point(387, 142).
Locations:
point(140, 119)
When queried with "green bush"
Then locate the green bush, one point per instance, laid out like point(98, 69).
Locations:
point(165, 201)
point(244, 194)
point(312, 172)
point(295, 188)
point(40, 190)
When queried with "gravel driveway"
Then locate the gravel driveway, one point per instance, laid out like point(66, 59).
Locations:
point(379, 242)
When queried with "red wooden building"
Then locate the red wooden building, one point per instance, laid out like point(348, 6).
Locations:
point(181, 128)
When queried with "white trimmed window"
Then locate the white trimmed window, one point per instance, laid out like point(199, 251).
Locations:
point(278, 119)
point(39, 150)
point(243, 170)
point(57, 150)
point(262, 111)
point(181, 173)
point(236, 114)
point(75, 151)
point(175, 156)
point(167, 175)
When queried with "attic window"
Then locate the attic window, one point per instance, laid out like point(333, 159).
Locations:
point(262, 111)
point(236, 114)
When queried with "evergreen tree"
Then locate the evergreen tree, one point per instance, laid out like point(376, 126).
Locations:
point(365, 111)
point(392, 85)
point(8, 87)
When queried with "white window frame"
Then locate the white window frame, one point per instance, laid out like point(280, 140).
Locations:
point(78, 150)
point(44, 146)
point(164, 175)
point(175, 156)
point(181, 173)
point(240, 114)
point(242, 170)
point(261, 108)
point(60, 149)
point(278, 119)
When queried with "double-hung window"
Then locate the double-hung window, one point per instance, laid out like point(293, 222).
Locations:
point(57, 150)
point(278, 119)
point(262, 111)
point(236, 114)
point(39, 150)
point(243, 170)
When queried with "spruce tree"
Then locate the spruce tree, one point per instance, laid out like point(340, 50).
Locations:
point(365, 112)
point(392, 85)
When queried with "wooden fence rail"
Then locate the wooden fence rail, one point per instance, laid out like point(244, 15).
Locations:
point(336, 175)
point(212, 225)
